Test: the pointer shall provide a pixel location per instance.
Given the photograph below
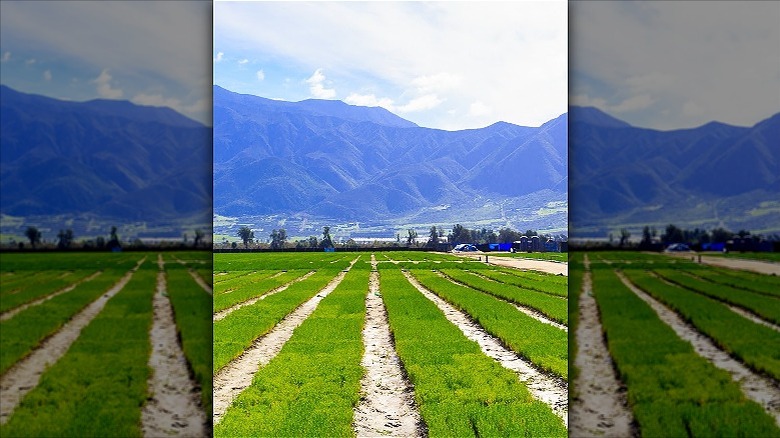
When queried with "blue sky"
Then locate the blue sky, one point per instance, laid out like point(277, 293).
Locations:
point(670, 65)
point(151, 53)
point(448, 65)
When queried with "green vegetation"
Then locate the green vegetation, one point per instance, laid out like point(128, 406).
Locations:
point(554, 308)
point(252, 286)
point(546, 283)
point(236, 332)
point(576, 274)
point(192, 312)
point(459, 390)
point(541, 343)
point(672, 390)
point(312, 386)
point(762, 284)
point(81, 395)
point(37, 287)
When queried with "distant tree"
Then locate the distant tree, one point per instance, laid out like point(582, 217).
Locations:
point(531, 233)
point(647, 237)
point(313, 242)
point(433, 237)
point(459, 234)
point(411, 237)
point(508, 235)
point(100, 242)
point(65, 238)
point(326, 241)
point(624, 235)
point(720, 235)
point(113, 242)
point(233, 245)
point(491, 237)
point(278, 238)
point(184, 238)
point(246, 235)
point(198, 237)
point(672, 235)
point(743, 233)
point(33, 235)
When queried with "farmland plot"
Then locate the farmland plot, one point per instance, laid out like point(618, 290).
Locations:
point(693, 355)
point(301, 358)
point(81, 362)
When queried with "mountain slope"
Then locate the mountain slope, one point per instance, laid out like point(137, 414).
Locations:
point(712, 175)
point(343, 163)
point(111, 159)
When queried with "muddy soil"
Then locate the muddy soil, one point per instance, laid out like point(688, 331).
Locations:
point(173, 409)
point(236, 376)
point(223, 313)
point(25, 374)
point(551, 390)
point(599, 408)
point(10, 313)
point(387, 406)
point(762, 390)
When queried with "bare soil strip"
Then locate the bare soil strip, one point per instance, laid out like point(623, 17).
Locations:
point(550, 390)
point(387, 406)
point(237, 375)
point(557, 268)
point(760, 389)
point(25, 374)
point(174, 406)
point(762, 267)
point(600, 407)
point(201, 282)
point(533, 313)
point(738, 310)
point(222, 314)
point(11, 313)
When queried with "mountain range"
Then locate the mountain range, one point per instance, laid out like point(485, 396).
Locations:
point(102, 159)
point(324, 161)
point(707, 176)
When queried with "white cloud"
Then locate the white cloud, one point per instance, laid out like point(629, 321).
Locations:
point(369, 100)
point(47, 75)
point(243, 61)
point(437, 82)
point(104, 88)
point(219, 57)
point(421, 103)
point(479, 109)
point(316, 87)
point(260, 75)
point(6, 57)
point(633, 103)
point(30, 61)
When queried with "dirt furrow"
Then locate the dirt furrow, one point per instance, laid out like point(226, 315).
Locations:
point(202, 283)
point(600, 407)
point(550, 390)
point(11, 313)
point(25, 374)
point(557, 268)
point(223, 313)
point(174, 406)
point(237, 375)
point(387, 406)
point(760, 389)
point(530, 311)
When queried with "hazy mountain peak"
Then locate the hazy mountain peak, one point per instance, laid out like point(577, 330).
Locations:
point(596, 117)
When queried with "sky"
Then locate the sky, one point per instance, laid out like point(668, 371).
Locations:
point(151, 53)
point(446, 65)
point(671, 65)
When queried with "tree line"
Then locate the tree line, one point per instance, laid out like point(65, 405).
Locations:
point(66, 240)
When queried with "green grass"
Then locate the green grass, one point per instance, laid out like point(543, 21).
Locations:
point(576, 273)
point(756, 345)
point(28, 328)
point(237, 331)
point(758, 283)
point(553, 307)
point(545, 283)
point(33, 290)
point(672, 390)
point(543, 344)
point(252, 286)
point(459, 390)
point(192, 312)
point(312, 386)
point(100, 385)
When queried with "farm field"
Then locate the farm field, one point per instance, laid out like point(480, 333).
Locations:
point(552, 256)
point(104, 344)
point(665, 346)
point(389, 343)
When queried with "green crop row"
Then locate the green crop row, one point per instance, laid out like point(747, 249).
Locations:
point(27, 329)
point(576, 274)
point(278, 261)
point(763, 306)
point(246, 277)
point(671, 390)
point(252, 289)
point(459, 390)
point(223, 276)
point(549, 284)
point(541, 343)
point(100, 385)
point(192, 311)
point(16, 283)
point(35, 290)
point(237, 331)
point(756, 345)
point(758, 283)
point(552, 307)
point(312, 386)
point(27, 263)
